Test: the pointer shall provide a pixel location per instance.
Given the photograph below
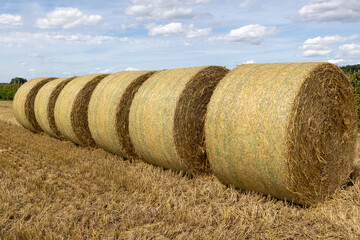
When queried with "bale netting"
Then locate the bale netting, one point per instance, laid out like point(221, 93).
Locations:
point(23, 103)
point(287, 129)
point(45, 104)
point(109, 108)
point(166, 121)
point(71, 109)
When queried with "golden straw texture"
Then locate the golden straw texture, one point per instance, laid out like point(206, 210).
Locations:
point(45, 103)
point(71, 109)
point(286, 129)
point(23, 103)
point(109, 108)
point(167, 115)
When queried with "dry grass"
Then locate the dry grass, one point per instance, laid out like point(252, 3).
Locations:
point(53, 189)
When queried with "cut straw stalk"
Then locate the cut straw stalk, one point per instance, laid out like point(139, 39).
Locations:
point(23, 103)
point(71, 109)
point(45, 104)
point(109, 108)
point(166, 121)
point(286, 129)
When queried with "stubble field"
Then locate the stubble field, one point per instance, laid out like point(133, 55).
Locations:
point(53, 189)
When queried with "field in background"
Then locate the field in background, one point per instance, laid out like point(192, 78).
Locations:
point(55, 189)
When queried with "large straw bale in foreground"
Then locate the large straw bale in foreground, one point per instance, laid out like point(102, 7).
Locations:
point(109, 108)
point(23, 104)
point(45, 103)
point(285, 129)
point(166, 121)
point(71, 109)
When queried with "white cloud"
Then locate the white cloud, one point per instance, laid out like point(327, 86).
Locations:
point(189, 31)
point(67, 17)
point(10, 20)
point(87, 39)
point(102, 71)
point(331, 10)
point(325, 40)
point(316, 53)
point(125, 26)
point(252, 34)
point(162, 9)
point(350, 47)
point(351, 50)
point(22, 38)
point(249, 62)
point(35, 55)
point(131, 69)
point(335, 61)
point(244, 3)
point(320, 46)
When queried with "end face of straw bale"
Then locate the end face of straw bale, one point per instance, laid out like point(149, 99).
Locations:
point(189, 118)
point(79, 113)
point(122, 116)
point(275, 128)
point(45, 103)
point(321, 134)
point(109, 111)
point(24, 103)
point(153, 123)
point(51, 106)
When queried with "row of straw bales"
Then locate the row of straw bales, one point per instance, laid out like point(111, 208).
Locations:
point(287, 129)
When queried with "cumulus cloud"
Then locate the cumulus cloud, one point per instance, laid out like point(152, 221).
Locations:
point(317, 53)
point(331, 10)
point(251, 34)
point(352, 50)
point(350, 47)
point(244, 3)
point(335, 61)
point(131, 69)
point(320, 46)
point(249, 61)
point(67, 17)
point(162, 9)
point(101, 70)
point(10, 20)
point(174, 28)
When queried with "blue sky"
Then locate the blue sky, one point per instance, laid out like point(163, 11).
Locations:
point(67, 38)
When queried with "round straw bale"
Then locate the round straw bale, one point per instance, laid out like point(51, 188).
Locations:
point(109, 108)
point(286, 129)
point(23, 103)
point(45, 103)
point(71, 109)
point(167, 115)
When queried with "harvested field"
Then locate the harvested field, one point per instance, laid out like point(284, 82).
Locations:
point(6, 113)
point(53, 189)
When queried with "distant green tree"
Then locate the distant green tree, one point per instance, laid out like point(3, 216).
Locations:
point(7, 91)
point(351, 68)
point(354, 78)
point(18, 80)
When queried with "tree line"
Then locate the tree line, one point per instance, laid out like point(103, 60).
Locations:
point(7, 91)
